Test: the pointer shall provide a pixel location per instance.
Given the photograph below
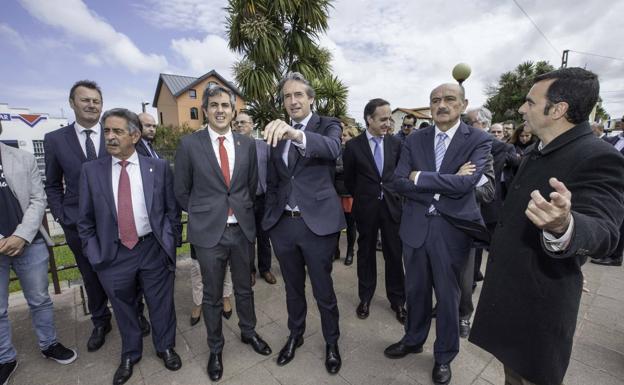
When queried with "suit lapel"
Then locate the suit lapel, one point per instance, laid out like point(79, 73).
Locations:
point(388, 160)
point(366, 151)
point(428, 150)
point(8, 168)
point(458, 141)
point(147, 174)
point(238, 153)
point(72, 143)
point(107, 183)
point(102, 151)
point(210, 154)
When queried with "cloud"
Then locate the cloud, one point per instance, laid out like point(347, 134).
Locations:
point(206, 16)
point(201, 56)
point(81, 24)
point(11, 36)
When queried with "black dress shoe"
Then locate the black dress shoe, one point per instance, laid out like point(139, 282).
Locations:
point(124, 371)
point(288, 351)
point(349, 258)
point(215, 366)
point(441, 374)
point(144, 325)
point(400, 350)
point(98, 337)
point(258, 344)
point(607, 261)
point(333, 362)
point(195, 320)
point(464, 328)
point(171, 359)
point(226, 314)
point(362, 310)
point(337, 253)
point(401, 313)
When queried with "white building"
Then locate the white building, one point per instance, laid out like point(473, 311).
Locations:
point(24, 129)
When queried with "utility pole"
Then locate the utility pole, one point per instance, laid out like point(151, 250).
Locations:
point(564, 58)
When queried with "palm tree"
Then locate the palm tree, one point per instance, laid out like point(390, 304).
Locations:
point(275, 37)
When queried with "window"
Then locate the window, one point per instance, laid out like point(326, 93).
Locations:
point(212, 84)
point(192, 94)
point(194, 113)
point(39, 156)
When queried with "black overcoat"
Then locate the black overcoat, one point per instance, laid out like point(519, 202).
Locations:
point(528, 308)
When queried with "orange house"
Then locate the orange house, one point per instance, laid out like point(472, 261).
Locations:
point(178, 98)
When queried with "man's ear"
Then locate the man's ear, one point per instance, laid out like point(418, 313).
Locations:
point(560, 110)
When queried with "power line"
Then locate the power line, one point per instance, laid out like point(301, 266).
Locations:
point(537, 28)
point(597, 55)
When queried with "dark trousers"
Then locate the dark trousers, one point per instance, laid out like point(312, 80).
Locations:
point(479, 251)
point(145, 265)
point(351, 233)
point(466, 307)
point(263, 244)
point(296, 247)
point(97, 298)
point(233, 247)
point(436, 265)
point(617, 254)
point(367, 228)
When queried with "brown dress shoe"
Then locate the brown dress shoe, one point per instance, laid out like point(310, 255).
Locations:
point(269, 277)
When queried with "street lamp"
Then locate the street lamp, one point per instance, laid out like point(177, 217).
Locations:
point(143, 104)
point(461, 72)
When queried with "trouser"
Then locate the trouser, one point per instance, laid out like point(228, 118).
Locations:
point(466, 307)
point(351, 232)
point(298, 248)
point(148, 265)
point(233, 247)
point(263, 243)
point(198, 287)
point(31, 269)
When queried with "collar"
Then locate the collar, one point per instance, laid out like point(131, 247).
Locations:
point(581, 129)
point(304, 121)
point(145, 142)
point(133, 159)
point(450, 132)
point(214, 136)
point(369, 136)
point(79, 129)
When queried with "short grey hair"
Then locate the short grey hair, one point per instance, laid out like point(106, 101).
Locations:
point(298, 77)
point(483, 115)
point(134, 124)
point(215, 90)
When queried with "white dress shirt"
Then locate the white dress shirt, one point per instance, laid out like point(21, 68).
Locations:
point(300, 146)
point(150, 149)
point(139, 208)
point(82, 137)
point(228, 143)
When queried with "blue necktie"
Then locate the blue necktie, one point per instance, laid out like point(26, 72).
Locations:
point(377, 155)
point(440, 149)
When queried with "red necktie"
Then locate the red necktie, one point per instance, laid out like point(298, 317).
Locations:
point(125, 215)
point(225, 166)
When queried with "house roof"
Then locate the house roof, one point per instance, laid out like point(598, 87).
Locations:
point(418, 112)
point(178, 84)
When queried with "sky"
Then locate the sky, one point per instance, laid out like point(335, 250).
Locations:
point(397, 50)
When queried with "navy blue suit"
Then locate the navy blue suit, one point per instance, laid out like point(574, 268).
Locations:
point(309, 240)
point(63, 161)
point(435, 245)
point(151, 263)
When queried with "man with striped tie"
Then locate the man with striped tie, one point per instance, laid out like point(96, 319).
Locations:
point(440, 215)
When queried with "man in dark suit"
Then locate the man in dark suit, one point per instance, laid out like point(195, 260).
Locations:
point(66, 149)
point(244, 125)
point(303, 212)
point(369, 163)
point(559, 210)
point(128, 223)
point(614, 259)
point(439, 217)
point(145, 146)
point(216, 179)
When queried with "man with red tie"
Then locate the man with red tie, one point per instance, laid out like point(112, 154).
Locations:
point(129, 223)
point(216, 180)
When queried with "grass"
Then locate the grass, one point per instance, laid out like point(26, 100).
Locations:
point(64, 257)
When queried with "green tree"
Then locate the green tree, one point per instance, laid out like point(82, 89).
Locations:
point(508, 95)
point(275, 37)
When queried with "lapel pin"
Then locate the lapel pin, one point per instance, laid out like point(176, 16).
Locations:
point(237, 143)
point(150, 170)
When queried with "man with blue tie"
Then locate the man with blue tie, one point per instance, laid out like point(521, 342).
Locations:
point(145, 145)
point(369, 163)
point(439, 217)
point(129, 223)
point(303, 212)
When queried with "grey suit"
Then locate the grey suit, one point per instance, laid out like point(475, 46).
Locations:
point(29, 192)
point(201, 190)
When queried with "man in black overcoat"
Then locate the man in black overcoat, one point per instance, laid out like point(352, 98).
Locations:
point(565, 203)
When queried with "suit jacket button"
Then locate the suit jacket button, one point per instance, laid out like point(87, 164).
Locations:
point(292, 177)
point(228, 194)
